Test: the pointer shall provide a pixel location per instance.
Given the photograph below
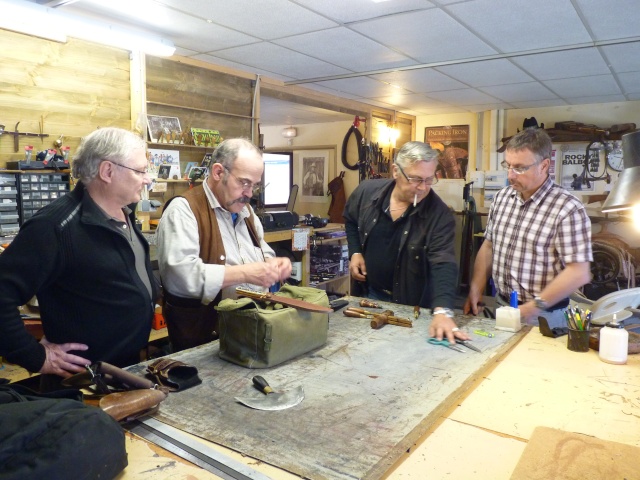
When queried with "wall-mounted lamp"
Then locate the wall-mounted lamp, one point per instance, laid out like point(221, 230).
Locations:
point(625, 194)
point(290, 133)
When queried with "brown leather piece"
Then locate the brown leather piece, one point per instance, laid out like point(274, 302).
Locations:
point(289, 302)
point(173, 374)
point(128, 405)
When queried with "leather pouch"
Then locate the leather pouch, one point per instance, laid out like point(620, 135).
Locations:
point(173, 374)
point(258, 335)
point(129, 405)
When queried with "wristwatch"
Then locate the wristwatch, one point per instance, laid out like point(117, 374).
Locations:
point(540, 303)
point(443, 311)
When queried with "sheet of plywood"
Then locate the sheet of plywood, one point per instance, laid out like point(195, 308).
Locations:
point(369, 396)
point(563, 455)
point(544, 384)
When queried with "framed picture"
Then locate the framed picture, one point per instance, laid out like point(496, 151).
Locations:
point(206, 161)
point(572, 171)
point(197, 172)
point(313, 170)
point(452, 141)
point(205, 138)
point(188, 167)
point(164, 129)
point(164, 171)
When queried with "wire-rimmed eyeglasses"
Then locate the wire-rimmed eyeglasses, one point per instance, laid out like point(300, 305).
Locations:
point(142, 173)
point(518, 170)
point(246, 184)
point(417, 181)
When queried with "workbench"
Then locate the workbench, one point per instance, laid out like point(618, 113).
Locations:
point(474, 425)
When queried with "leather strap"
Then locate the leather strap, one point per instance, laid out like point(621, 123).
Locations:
point(289, 302)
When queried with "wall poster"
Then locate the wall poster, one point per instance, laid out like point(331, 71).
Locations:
point(572, 168)
point(452, 141)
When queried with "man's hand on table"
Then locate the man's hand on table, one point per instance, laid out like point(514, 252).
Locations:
point(59, 362)
point(444, 326)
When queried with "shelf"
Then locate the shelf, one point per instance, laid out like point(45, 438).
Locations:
point(180, 145)
point(326, 282)
point(201, 110)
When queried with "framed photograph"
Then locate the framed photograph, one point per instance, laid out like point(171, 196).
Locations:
point(452, 141)
point(572, 167)
point(196, 173)
point(164, 129)
point(313, 170)
point(164, 171)
point(188, 167)
point(205, 138)
point(206, 161)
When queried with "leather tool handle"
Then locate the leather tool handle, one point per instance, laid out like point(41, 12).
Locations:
point(289, 302)
point(390, 319)
point(129, 379)
point(369, 304)
point(261, 384)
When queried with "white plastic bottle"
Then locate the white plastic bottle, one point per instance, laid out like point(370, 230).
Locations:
point(614, 343)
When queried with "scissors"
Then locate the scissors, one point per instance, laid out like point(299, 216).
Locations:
point(468, 345)
point(445, 343)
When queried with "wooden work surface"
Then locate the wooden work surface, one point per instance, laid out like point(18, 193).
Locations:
point(369, 396)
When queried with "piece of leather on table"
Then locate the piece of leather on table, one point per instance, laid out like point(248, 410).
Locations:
point(126, 405)
point(551, 332)
point(174, 374)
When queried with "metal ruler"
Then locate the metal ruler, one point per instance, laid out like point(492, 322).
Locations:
point(176, 442)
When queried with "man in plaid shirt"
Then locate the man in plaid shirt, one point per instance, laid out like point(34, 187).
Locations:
point(538, 237)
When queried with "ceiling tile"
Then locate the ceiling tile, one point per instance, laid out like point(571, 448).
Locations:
point(347, 49)
point(490, 72)
point(584, 86)
point(265, 19)
point(444, 39)
point(463, 96)
point(362, 86)
point(520, 92)
point(607, 19)
point(519, 25)
point(566, 64)
point(596, 99)
point(423, 80)
point(274, 58)
point(623, 58)
point(630, 82)
point(353, 10)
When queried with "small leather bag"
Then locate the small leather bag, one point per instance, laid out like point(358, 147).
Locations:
point(255, 334)
point(173, 374)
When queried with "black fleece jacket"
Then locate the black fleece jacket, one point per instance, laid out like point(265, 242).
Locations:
point(83, 274)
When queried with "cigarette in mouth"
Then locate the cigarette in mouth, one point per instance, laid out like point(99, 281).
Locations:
point(415, 199)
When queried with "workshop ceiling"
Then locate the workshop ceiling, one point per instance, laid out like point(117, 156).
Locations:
point(415, 56)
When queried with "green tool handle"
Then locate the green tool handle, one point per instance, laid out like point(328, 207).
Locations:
point(483, 333)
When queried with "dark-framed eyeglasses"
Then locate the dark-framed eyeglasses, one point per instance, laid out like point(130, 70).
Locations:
point(142, 173)
point(417, 181)
point(244, 183)
point(518, 170)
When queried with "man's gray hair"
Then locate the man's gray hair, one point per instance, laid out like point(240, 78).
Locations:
point(414, 152)
point(110, 144)
point(227, 152)
point(535, 140)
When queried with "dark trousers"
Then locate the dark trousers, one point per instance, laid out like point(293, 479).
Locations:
point(189, 325)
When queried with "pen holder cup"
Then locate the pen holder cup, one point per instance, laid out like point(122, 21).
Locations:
point(578, 340)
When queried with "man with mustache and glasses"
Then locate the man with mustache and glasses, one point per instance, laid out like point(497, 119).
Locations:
point(209, 242)
point(538, 237)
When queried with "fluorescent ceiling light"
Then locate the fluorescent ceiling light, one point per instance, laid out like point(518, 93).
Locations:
point(30, 19)
point(44, 22)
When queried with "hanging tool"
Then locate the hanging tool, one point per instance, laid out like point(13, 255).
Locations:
point(445, 343)
point(272, 400)
point(16, 136)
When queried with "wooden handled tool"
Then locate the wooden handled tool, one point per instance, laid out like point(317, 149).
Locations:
point(366, 312)
point(369, 304)
point(381, 320)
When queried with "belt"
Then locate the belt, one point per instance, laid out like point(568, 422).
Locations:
point(182, 302)
point(564, 303)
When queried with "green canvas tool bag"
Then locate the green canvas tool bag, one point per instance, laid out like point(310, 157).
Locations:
point(255, 334)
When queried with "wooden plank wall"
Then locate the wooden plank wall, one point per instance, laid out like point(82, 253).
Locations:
point(72, 88)
point(200, 98)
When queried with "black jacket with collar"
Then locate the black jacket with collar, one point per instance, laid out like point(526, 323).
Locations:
point(426, 270)
point(83, 274)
